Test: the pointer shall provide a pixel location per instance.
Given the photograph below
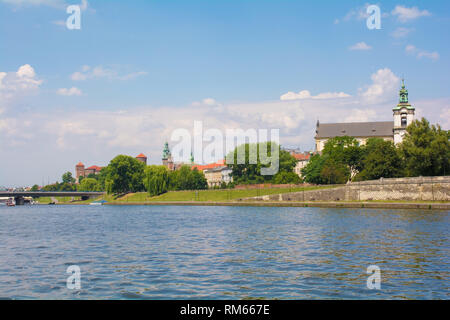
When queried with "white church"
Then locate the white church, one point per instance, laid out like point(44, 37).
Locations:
point(361, 131)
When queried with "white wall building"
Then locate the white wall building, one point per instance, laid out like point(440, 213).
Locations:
point(394, 131)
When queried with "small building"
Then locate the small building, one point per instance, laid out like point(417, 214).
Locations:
point(302, 161)
point(218, 175)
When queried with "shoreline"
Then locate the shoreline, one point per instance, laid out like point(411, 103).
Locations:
point(369, 205)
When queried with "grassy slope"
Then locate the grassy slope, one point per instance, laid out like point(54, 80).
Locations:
point(47, 200)
point(207, 195)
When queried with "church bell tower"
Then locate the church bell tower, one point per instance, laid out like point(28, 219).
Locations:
point(403, 115)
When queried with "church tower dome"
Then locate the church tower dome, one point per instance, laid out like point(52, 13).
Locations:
point(403, 114)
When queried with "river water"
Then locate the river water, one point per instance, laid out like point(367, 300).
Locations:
point(176, 252)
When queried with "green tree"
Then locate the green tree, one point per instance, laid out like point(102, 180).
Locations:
point(345, 150)
point(312, 171)
point(67, 177)
point(250, 159)
point(341, 159)
point(187, 179)
point(284, 177)
point(426, 149)
point(66, 187)
point(101, 178)
point(124, 174)
point(334, 172)
point(88, 184)
point(156, 180)
point(35, 188)
point(380, 159)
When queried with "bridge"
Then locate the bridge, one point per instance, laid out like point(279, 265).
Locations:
point(19, 196)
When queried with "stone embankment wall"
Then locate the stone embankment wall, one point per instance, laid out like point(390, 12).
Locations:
point(411, 189)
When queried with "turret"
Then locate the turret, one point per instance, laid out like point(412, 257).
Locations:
point(142, 158)
point(79, 171)
point(403, 115)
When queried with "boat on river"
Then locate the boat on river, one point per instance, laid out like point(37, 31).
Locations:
point(98, 203)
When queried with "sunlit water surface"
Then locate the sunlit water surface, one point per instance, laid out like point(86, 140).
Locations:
point(165, 252)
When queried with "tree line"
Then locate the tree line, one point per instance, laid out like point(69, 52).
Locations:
point(126, 174)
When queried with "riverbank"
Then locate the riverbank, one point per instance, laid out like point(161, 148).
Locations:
point(317, 204)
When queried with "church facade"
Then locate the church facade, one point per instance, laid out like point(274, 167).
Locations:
point(403, 116)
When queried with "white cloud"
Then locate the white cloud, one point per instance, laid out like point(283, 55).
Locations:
point(78, 76)
point(132, 75)
point(361, 115)
point(13, 84)
point(305, 94)
point(411, 49)
point(405, 14)
point(206, 102)
point(401, 32)
point(360, 46)
point(100, 72)
point(445, 117)
point(384, 86)
point(69, 92)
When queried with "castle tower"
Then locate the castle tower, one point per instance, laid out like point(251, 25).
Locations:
point(142, 158)
point(403, 115)
point(167, 157)
point(79, 171)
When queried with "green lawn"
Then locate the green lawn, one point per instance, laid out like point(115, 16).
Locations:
point(206, 195)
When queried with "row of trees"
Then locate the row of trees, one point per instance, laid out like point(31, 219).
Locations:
point(126, 174)
point(425, 151)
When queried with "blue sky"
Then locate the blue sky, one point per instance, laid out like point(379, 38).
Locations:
point(139, 69)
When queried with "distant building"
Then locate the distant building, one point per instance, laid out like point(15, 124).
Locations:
point(217, 164)
point(218, 175)
point(81, 171)
point(394, 131)
point(142, 158)
point(302, 161)
point(167, 159)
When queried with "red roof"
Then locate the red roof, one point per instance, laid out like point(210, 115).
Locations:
point(141, 156)
point(301, 156)
point(220, 163)
point(80, 165)
point(96, 168)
